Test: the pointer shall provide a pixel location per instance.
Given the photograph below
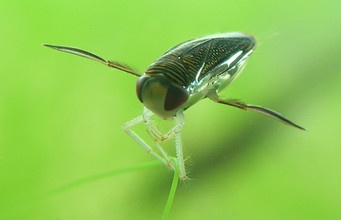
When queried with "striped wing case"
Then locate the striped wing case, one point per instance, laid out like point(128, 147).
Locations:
point(191, 61)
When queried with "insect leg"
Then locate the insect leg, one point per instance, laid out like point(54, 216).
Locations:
point(255, 108)
point(175, 131)
point(155, 134)
point(153, 131)
point(83, 53)
point(179, 122)
point(127, 128)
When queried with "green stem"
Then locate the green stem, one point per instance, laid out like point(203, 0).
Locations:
point(172, 191)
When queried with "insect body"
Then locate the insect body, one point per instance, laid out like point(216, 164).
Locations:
point(181, 77)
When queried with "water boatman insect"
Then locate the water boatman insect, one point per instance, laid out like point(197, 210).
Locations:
point(184, 75)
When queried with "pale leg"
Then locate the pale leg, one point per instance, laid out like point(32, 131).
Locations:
point(179, 122)
point(175, 131)
point(158, 137)
point(127, 128)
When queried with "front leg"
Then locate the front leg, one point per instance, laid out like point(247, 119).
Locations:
point(127, 127)
point(175, 131)
point(154, 132)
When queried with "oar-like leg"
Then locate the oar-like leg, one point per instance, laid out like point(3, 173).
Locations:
point(255, 108)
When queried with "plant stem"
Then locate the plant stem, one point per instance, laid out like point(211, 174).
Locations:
point(172, 191)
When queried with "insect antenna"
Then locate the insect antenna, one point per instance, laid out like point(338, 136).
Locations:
point(86, 54)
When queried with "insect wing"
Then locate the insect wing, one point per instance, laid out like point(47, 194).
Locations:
point(191, 61)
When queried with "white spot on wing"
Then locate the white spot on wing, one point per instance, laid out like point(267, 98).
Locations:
point(233, 58)
point(199, 72)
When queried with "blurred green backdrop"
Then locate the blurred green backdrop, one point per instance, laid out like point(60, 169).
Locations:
point(61, 115)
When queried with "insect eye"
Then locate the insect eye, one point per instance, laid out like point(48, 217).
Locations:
point(139, 85)
point(176, 96)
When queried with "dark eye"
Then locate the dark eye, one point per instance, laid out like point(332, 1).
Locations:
point(176, 96)
point(139, 85)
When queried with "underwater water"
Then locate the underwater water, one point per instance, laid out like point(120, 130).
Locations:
point(64, 155)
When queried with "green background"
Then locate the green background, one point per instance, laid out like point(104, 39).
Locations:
point(61, 115)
